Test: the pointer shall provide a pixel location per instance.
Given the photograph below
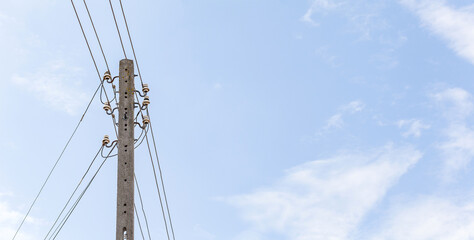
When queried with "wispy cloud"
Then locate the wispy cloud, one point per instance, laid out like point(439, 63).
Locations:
point(319, 5)
point(337, 121)
point(326, 199)
point(413, 127)
point(458, 148)
point(363, 17)
point(452, 24)
point(457, 103)
point(10, 218)
point(54, 86)
point(429, 218)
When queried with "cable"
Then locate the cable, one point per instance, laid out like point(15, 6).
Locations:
point(156, 152)
point(161, 176)
point(158, 188)
point(118, 31)
point(57, 161)
point(74, 192)
point(131, 43)
point(96, 35)
point(90, 51)
point(143, 208)
point(138, 219)
point(66, 218)
point(85, 38)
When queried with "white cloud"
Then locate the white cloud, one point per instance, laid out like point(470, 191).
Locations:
point(458, 148)
point(337, 121)
point(427, 219)
point(326, 199)
point(457, 103)
point(363, 16)
point(354, 106)
point(453, 24)
point(414, 127)
point(54, 86)
point(9, 220)
point(319, 5)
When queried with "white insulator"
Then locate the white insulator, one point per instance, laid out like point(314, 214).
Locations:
point(146, 120)
point(145, 88)
point(106, 140)
point(107, 107)
point(107, 76)
point(146, 101)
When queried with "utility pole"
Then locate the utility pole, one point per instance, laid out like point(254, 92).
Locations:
point(126, 137)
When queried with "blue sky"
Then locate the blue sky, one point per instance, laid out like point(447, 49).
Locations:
point(301, 120)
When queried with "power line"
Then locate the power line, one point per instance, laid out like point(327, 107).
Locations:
point(156, 152)
point(161, 176)
point(143, 208)
point(66, 218)
point(85, 38)
point(74, 192)
point(57, 161)
point(154, 174)
point(90, 51)
point(96, 35)
point(157, 188)
point(131, 43)
point(118, 31)
point(139, 223)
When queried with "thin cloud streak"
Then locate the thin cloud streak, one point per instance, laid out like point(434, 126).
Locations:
point(452, 24)
point(326, 199)
point(54, 87)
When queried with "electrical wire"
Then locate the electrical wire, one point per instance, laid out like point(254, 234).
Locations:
point(156, 152)
point(57, 161)
point(131, 43)
point(161, 176)
point(96, 35)
point(157, 188)
point(66, 218)
point(143, 207)
point(138, 219)
point(85, 38)
point(74, 192)
point(118, 31)
point(90, 52)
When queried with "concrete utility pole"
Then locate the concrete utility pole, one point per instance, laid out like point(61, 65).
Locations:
point(125, 180)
